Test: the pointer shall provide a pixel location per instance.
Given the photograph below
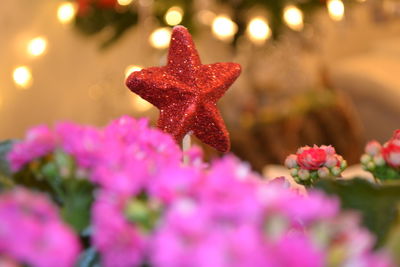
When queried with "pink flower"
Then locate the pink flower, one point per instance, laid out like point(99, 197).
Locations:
point(305, 209)
point(191, 237)
point(396, 134)
point(295, 249)
point(311, 158)
point(157, 147)
point(32, 232)
point(118, 169)
point(173, 182)
point(230, 186)
point(39, 141)
point(391, 154)
point(373, 148)
point(119, 242)
point(82, 142)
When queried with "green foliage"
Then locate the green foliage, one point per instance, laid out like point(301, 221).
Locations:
point(385, 173)
point(75, 194)
point(98, 19)
point(5, 147)
point(143, 213)
point(55, 175)
point(5, 172)
point(118, 20)
point(378, 204)
point(77, 202)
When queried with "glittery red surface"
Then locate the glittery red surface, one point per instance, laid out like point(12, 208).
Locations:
point(186, 92)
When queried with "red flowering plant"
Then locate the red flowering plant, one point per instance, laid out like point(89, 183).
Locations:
point(312, 163)
point(383, 161)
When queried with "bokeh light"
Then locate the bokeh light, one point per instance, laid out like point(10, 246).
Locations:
point(335, 9)
point(224, 28)
point(37, 46)
point(160, 38)
point(174, 16)
point(293, 17)
point(66, 12)
point(258, 30)
point(124, 2)
point(22, 77)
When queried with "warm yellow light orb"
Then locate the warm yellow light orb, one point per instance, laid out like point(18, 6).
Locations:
point(37, 46)
point(258, 30)
point(139, 104)
point(293, 17)
point(224, 28)
point(124, 2)
point(130, 69)
point(22, 77)
point(174, 16)
point(335, 9)
point(66, 12)
point(160, 38)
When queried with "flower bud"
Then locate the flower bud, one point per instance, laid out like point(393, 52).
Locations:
point(330, 150)
point(293, 172)
point(336, 171)
point(373, 148)
point(304, 174)
point(323, 172)
point(331, 161)
point(379, 160)
point(371, 166)
point(365, 158)
point(343, 164)
point(291, 161)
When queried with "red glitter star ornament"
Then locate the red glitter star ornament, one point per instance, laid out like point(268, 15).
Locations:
point(186, 92)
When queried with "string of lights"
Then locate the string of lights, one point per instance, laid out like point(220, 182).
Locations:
point(83, 14)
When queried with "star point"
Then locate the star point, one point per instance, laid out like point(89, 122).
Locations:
point(186, 92)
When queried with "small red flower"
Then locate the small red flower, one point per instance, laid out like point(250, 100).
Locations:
point(396, 134)
point(391, 153)
point(311, 158)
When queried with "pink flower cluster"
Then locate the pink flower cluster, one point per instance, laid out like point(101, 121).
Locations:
point(31, 231)
point(383, 161)
point(119, 157)
point(39, 141)
point(391, 150)
point(312, 163)
point(150, 208)
point(228, 216)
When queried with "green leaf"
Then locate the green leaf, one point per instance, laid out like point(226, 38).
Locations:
point(5, 147)
point(378, 204)
point(77, 201)
point(386, 172)
point(28, 179)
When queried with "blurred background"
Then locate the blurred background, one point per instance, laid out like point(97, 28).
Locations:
point(314, 71)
